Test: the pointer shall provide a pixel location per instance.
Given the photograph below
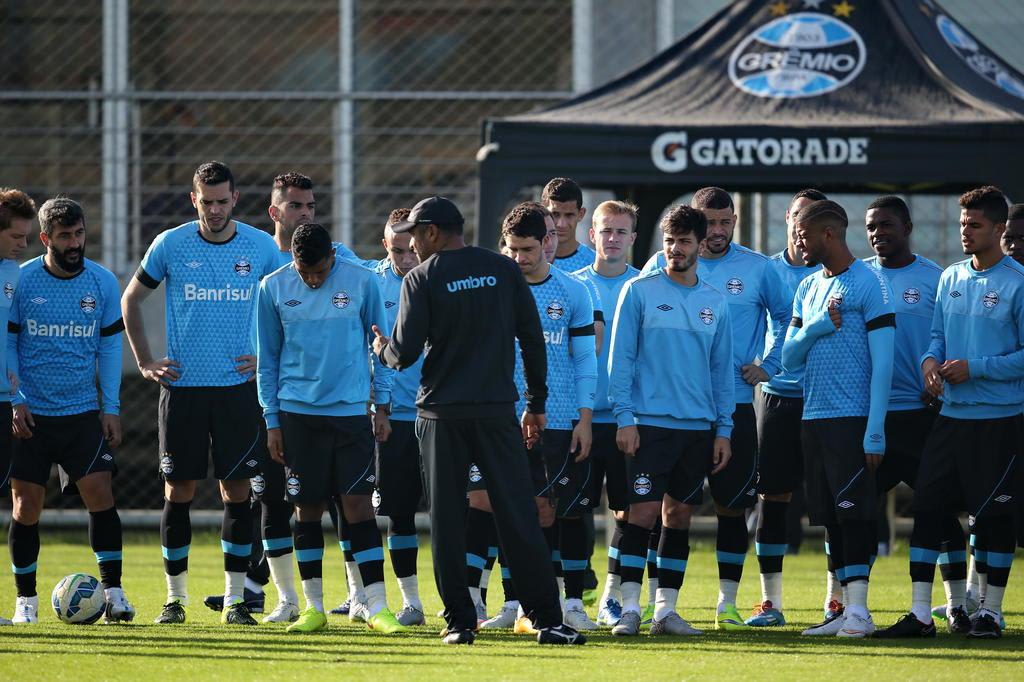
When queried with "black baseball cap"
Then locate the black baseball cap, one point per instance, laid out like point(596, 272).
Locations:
point(432, 210)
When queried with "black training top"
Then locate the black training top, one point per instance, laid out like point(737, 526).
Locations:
point(466, 307)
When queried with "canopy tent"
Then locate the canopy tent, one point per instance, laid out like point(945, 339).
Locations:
point(770, 95)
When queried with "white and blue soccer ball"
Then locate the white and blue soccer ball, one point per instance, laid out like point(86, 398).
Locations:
point(78, 599)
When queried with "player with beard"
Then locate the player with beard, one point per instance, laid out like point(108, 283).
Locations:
point(64, 340)
point(208, 404)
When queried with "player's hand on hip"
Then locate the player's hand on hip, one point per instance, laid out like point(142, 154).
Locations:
point(533, 426)
point(12, 378)
point(161, 371)
point(22, 423)
point(753, 374)
point(275, 445)
point(381, 426)
point(932, 377)
point(872, 462)
point(247, 365)
point(721, 454)
point(379, 340)
point(955, 371)
point(582, 440)
point(627, 439)
point(111, 424)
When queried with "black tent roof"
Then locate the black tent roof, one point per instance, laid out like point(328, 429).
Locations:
point(775, 95)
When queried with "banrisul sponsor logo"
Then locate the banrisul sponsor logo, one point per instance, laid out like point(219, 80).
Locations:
point(472, 283)
point(801, 55)
point(983, 63)
point(71, 329)
point(674, 151)
point(194, 292)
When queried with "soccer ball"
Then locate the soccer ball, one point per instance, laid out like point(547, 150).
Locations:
point(78, 599)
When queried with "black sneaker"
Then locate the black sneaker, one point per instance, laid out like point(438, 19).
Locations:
point(559, 634)
point(171, 614)
point(959, 622)
point(907, 626)
point(459, 636)
point(985, 626)
point(237, 614)
point(343, 608)
point(253, 601)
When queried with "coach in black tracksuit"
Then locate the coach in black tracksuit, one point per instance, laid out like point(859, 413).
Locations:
point(467, 306)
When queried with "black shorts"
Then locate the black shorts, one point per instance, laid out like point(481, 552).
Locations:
point(6, 446)
point(568, 482)
point(399, 473)
point(327, 456)
point(735, 486)
point(905, 434)
point(608, 468)
point(970, 465)
point(670, 461)
point(195, 421)
point(73, 442)
point(839, 487)
point(780, 459)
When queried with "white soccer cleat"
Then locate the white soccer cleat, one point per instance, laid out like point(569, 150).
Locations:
point(830, 627)
point(673, 624)
point(856, 626)
point(118, 609)
point(504, 620)
point(577, 619)
point(26, 610)
point(284, 612)
point(359, 612)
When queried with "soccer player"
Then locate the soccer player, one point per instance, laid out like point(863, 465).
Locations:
point(211, 268)
point(672, 390)
point(314, 321)
point(842, 336)
point(779, 458)
point(64, 338)
point(754, 290)
point(1013, 236)
point(564, 199)
point(976, 364)
point(613, 234)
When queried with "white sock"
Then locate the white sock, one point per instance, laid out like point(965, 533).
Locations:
point(771, 589)
point(282, 571)
point(485, 578)
point(313, 589)
point(112, 593)
point(845, 595)
point(514, 604)
point(355, 582)
point(410, 588)
point(630, 597)
point(474, 593)
point(857, 592)
point(994, 599)
point(982, 586)
point(921, 604)
point(727, 590)
point(520, 613)
point(652, 590)
point(956, 594)
point(376, 598)
point(571, 604)
point(611, 588)
point(253, 586)
point(665, 602)
point(561, 593)
point(833, 588)
point(177, 588)
point(234, 584)
point(973, 581)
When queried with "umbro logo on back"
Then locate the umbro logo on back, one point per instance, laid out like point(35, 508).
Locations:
point(292, 303)
point(665, 307)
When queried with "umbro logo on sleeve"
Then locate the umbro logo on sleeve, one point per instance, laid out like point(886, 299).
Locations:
point(292, 303)
point(664, 307)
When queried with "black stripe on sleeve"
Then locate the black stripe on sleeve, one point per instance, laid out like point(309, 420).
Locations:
point(146, 280)
point(598, 316)
point(581, 331)
point(13, 328)
point(887, 320)
point(111, 329)
point(796, 322)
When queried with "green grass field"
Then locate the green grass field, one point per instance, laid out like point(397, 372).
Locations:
point(203, 649)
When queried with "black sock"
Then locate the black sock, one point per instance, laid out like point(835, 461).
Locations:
point(344, 534)
point(953, 551)
point(175, 536)
point(613, 547)
point(105, 539)
point(478, 525)
point(633, 553)
point(309, 549)
point(23, 542)
point(403, 545)
point(236, 536)
point(507, 586)
point(1000, 544)
point(731, 547)
point(653, 541)
point(770, 539)
point(860, 538)
point(925, 540)
point(368, 551)
point(834, 550)
point(551, 535)
point(492, 558)
point(277, 532)
point(573, 548)
point(673, 553)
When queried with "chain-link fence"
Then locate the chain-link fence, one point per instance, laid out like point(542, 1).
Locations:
point(115, 102)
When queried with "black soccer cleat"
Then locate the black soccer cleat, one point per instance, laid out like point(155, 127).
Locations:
point(253, 601)
point(237, 614)
point(459, 636)
point(958, 621)
point(559, 634)
point(172, 613)
point(907, 627)
point(985, 626)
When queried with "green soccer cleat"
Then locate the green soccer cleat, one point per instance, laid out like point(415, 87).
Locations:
point(647, 617)
point(237, 614)
point(729, 619)
point(309, 620)
point(384, 622)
